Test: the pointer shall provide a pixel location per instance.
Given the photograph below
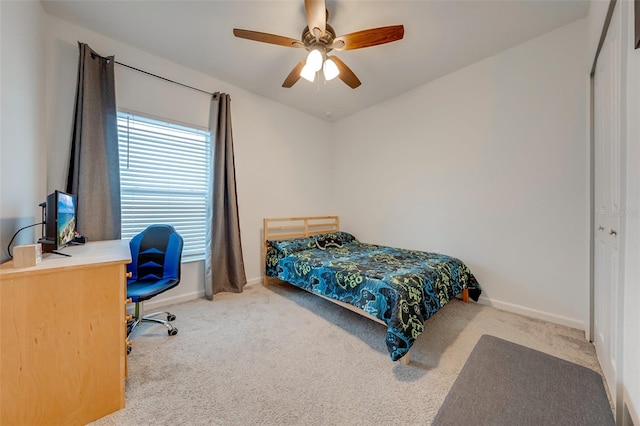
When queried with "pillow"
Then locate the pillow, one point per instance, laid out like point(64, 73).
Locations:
point(344, 237)
point(328, 240)
point(288, 247)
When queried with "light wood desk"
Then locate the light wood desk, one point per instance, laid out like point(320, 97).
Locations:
point(62, 347)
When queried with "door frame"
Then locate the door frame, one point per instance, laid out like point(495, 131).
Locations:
point(592, 221)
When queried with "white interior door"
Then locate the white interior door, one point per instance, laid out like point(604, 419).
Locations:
point(607, 205)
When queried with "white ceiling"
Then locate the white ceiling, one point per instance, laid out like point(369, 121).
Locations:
point(440, 37)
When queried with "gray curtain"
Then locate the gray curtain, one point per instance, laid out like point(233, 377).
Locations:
point(224, 267)
point(94, 171)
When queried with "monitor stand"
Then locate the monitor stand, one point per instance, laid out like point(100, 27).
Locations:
point(49, 247)
point(59, 252)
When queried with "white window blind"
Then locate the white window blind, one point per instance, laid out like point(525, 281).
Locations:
point(164, 178)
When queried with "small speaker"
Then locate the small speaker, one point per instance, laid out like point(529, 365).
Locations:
point(27, 255)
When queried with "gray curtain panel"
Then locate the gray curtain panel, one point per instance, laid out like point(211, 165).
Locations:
point(94, 171)
point(224, 266)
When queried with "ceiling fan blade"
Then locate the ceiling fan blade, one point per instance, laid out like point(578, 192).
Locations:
point(267, 38)
point(370, 37)
point(316, 15)
point(294, 75)
point(346, 75)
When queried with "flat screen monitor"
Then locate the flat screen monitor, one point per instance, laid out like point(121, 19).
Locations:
point(60, 220)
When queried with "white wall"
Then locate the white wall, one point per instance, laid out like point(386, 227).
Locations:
point(488, 164)
point(274, 145)
point(22, 151)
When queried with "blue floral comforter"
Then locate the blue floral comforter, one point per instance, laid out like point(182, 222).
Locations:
point(403, 288)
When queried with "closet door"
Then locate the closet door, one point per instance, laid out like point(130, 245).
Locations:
point(607, 125)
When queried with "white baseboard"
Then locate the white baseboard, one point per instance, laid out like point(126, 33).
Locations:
point(533, 313)
point(160, 301)
point(254, 281)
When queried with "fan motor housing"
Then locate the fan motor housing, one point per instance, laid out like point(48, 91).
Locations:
point(325, 40)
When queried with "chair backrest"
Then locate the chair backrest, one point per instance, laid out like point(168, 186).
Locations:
point(156, 253)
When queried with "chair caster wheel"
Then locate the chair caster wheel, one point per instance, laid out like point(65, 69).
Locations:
point(172, 332)
point(128, 350)
point(171, 317)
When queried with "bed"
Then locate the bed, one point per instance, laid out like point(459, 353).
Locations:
point(398, 288)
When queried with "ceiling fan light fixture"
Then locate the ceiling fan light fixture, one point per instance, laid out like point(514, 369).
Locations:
point(308, 73)
point(330, 69)
point(319, 38)
point(314, 60)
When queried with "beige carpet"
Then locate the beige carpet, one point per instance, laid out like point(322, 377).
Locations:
point(278, 355)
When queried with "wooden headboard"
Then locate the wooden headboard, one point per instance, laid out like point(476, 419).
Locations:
point(287, 228)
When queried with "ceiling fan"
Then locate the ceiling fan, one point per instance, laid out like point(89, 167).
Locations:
point(319, 38)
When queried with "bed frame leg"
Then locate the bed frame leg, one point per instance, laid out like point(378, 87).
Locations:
point(406, 359)
point(465, 295)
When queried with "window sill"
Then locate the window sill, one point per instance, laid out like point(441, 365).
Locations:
point(193, 259)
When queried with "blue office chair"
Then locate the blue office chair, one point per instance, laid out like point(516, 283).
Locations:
point(155, 268)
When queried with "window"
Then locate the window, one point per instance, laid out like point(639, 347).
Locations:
point(164, 178)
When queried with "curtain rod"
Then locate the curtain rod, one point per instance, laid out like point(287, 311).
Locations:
point(163, 78)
